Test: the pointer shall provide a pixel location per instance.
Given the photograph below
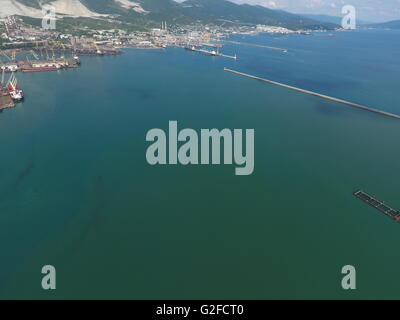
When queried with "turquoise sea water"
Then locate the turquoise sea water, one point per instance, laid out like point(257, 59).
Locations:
point(76, 190)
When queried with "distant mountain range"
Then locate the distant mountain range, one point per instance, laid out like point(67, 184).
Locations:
point(221, 12)
point(386, 25)
point(338, 20)
point(331, 19)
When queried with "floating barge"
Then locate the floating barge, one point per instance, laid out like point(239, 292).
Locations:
point(378, 205)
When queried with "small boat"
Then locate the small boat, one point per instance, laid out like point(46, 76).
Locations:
point(77, 60)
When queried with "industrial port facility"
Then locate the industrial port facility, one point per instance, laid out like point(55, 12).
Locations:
point(42, 58)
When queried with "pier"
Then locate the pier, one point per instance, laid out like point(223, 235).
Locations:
point(38, 65)
point(378, 205)
point(47, 65)
point(5, 99)
point(212, 45)
point(254, 45)
point(351, 104)
point(228, 56)
point(211, 53)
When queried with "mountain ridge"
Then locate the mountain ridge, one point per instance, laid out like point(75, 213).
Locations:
point(331, 19)
point(188, 12)
point(395, 24)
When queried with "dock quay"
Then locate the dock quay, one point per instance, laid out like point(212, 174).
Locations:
point(8, 66)
point(77, 51)
point(6, 101)
point(38, 65)
point(254, 45)
point(84, 52)
point(212, 45)
point(348, 103)
point(378, 205)
point(47, 65)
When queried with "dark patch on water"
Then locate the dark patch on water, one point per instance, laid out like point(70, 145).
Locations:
point(303, 81)
point(261, 69)
point(330, 109)
point(382, 68)
point(139, 93)
point(143, 94)
point(22, 176)
point(92, 216)
point(26, 172)
point(19, 179)
point(319, 85)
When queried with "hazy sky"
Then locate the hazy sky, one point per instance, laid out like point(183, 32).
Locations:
point(370, 10)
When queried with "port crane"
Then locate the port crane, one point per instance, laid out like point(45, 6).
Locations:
point(39, 49)
point(34, 54)
point(206, 38)
point(4, 67)
point(2, 78)
point(13, 55)
point(58, 45)
point(3, 54)
point(61, 45)
point(12, 81)
point(97, 48)
point(15, 92)
point(47, 55)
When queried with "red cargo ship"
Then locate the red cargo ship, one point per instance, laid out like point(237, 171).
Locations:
point(38, 69)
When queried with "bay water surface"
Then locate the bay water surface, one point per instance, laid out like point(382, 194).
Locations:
point(76, 191)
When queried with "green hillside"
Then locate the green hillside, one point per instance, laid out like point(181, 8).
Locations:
point(200, 11)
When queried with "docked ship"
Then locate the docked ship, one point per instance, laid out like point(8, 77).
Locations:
point(190, 48)
point(14, 90)
point(37, 67)
point(77, 60)
point(9, 68)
